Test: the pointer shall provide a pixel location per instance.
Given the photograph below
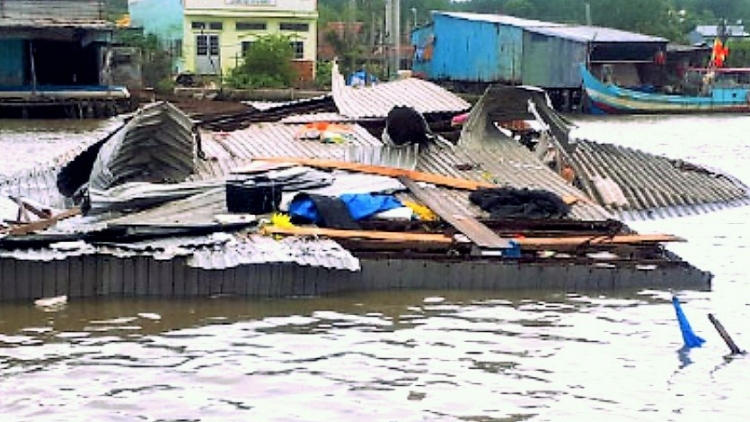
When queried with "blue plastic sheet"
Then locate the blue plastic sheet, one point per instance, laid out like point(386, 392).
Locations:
point(688, 336)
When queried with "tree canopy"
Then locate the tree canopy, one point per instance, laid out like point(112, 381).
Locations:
point(671, 19)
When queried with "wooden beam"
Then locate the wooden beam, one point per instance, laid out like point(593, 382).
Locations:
point(477, 232)
point(43, 224)
point(525, 242)
point(359, 234)
point(436, 179)
point(624, 239)
point(419, 176)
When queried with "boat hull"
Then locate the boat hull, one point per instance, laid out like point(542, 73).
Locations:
point(611, 99)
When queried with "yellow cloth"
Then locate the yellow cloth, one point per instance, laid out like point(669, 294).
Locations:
point(424, 213)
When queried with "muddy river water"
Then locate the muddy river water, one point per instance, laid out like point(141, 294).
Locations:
point(403, 356)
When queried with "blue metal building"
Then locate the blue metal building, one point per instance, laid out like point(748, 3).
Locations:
point(469, 48)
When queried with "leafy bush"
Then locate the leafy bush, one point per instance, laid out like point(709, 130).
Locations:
point(323, 74)
point(266, 64)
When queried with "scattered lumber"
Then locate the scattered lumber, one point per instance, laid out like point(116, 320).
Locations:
point(567, 241)
point(480, 234)
point(525, 242)
point(418, 176)
point(358, 234)
point(436, 179)
point(43, 224)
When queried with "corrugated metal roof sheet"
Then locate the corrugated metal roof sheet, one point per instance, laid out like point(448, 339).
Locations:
point(40, 182)
point(274, 140)
point(572, 32)
point(378, 100)
point(656, 186)
point(507, 164)
point(212, 252)
point(595, 34)
point(317, 117)
point(501, 19)
point(324, 253)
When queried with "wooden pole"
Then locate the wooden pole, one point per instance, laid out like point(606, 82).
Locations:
point(724, 335)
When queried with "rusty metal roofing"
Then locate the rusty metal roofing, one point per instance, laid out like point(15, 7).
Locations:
point(377, 100)
point(655, 186)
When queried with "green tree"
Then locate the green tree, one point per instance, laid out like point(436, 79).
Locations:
point(652, 17)
point(156, 63)
point(521, 8)
point(266, 64)
point(739, 53)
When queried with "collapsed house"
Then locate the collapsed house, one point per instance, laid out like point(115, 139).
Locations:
point(305, 198)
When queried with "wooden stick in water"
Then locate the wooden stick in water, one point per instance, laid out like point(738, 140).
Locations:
point(724, 335)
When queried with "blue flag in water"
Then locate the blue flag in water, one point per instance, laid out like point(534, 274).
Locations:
point(688, 336)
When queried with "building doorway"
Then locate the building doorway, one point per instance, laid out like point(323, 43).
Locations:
point(207, 54)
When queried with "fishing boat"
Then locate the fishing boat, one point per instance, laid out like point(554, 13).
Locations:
point(704, 90)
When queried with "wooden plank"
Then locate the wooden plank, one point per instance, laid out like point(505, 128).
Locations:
point(436, 179)
point(363, 234)
point(524, 242)
point(43, 224)
point(419, 176)
point(477, 232)
point(625, 239)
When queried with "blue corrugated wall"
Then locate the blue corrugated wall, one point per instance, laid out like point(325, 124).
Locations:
point(467, 50)
point(12, 56)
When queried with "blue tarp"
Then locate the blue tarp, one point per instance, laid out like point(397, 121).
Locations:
point(688, 336)
point(362, 78)
point(360, 206)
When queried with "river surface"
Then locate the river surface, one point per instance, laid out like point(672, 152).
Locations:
point(405, 356)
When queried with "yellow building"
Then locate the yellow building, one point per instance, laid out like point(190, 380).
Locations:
point(217, 32)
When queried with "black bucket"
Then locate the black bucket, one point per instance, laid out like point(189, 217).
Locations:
point(252, 198)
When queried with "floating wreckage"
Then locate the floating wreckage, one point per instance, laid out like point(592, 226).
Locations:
point(169, 209)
